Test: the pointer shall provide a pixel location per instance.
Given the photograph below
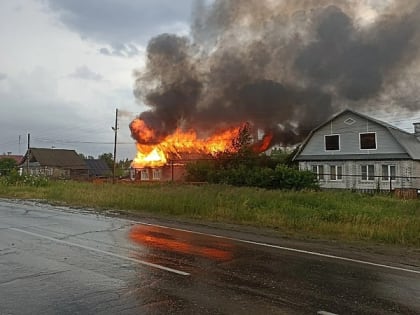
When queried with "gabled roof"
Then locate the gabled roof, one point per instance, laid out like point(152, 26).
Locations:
point(408, 141)
point(61, 158)
point(97, 167)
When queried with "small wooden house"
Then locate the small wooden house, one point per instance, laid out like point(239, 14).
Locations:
point(55, 163)
point(173, 170)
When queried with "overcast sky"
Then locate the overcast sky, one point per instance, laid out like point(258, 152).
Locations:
point(66, 65)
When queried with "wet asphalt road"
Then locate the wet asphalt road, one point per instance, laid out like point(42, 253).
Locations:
point(60, 261)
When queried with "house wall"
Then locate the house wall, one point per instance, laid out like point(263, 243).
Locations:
point(416, 173)
point(54, 172)
point(352, 174)
point(175, 172)
point(38, 170)
point(349, 135)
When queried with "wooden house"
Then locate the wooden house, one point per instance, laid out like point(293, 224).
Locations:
point(355, 151)
point(55, 163)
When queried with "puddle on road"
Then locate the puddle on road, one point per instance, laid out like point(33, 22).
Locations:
point(181, 242)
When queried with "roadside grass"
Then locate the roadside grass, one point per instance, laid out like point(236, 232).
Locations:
point(327, 214)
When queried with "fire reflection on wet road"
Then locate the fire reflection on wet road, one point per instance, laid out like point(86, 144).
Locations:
point(172, 241)
point(62, 261)
point(229, 277)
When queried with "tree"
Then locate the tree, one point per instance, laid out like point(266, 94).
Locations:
point(243, 141)
point(7, 165)
point(108, 158)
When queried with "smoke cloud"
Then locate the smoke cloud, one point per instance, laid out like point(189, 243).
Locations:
point(284, 66)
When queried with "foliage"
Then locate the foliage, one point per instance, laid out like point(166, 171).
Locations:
point(321, 214)
point(15, 179)
point(285, 156)
point(244, 167)
point(108, 158)
point(7, 165)
point(282, 177)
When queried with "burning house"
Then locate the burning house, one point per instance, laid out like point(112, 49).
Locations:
point(166, 160)
point(284, 67)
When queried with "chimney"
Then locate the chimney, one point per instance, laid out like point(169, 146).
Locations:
point(417, 129)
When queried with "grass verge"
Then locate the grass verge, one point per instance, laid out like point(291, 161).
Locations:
point(334, 215)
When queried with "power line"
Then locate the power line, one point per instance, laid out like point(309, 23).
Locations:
point(78, 141)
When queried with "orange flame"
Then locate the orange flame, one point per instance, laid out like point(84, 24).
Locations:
point(155, 155)
point(154, 237)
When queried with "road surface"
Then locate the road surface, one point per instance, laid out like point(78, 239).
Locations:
point(56, 260)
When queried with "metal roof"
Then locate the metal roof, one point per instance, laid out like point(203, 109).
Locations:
point(97, 167)
point(61, 158)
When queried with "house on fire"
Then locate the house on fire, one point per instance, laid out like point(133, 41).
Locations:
point(355, 151)
point(57, 163)
point(173, 170)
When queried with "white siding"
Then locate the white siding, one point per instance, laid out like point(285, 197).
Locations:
point(352, 174)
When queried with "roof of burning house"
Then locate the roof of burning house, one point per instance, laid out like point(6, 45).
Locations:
point(188, 156)
point(62, 158)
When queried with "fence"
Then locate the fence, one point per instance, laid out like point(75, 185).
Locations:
point(401, 185)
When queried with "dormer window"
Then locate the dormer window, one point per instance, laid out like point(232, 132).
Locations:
point(368, 141)
point(332, 143)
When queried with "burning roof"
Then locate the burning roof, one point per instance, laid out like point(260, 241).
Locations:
point(282, 66)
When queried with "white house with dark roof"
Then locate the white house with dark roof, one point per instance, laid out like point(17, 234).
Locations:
point(355, 151)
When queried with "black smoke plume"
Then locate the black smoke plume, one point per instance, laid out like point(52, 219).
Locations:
point(283, 66)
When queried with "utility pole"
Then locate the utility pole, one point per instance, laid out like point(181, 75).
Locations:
point(115, 128)
point(28, 154)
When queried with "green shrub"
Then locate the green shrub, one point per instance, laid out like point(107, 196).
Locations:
point(282, 177)
point(15, 179)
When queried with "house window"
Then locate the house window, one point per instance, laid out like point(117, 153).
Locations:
point(157, 174)
point(319, 171)
point(368, 141)
point(144, 174)
point(368, 172)
point(388, 171)
point(336, 172)
point(332, 143)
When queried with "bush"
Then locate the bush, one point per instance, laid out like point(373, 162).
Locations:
point(282, 177)
point(200, 171)
point(7, 165)
point(23, 180)
point(242, 165)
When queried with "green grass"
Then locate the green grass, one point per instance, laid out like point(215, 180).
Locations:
point(332, 215)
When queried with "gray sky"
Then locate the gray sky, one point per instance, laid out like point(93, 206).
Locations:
point(66, 65)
